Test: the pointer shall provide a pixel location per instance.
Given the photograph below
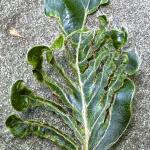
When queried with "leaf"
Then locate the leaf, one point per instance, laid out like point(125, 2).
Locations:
point(22, 99)
point(20, 96)
point(95, 97)
point(58, 43)
point(17, 127)
point(35, 56)
point(119, 38)
point(120, 116)
point(22, 129)
point(133, 63)
point(72, 13)
point(103, 20)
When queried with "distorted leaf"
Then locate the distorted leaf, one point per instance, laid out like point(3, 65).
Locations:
point(35, 57)
point(20, 96)
point(133, 63)
point(72, 13)
point(95, 95)
point(58, 43)
point(119, 38)
point(22, 129)
point(17, 127)
point(103, 20)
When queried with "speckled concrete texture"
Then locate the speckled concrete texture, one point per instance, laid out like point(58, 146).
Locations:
point(27, 17)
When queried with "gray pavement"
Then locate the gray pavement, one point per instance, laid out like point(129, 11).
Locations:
point(33, 28)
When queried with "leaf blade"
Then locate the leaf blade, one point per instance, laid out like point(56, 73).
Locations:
point(71, 13)
point(122, 112)
point(22, 129)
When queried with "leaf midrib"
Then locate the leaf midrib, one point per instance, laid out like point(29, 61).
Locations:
point(84, 105)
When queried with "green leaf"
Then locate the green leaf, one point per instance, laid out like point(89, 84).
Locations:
point(20, 96)
point(120, 116)
point(96, 93)
point(67, 98)
point(119, 38)
point(72, 13)
point(133, 62)
point(100, 99)
point(22, 129)
point(103, 20)
point(35, 57)
point(22, 99)
point(17, 127)
point(58, 43)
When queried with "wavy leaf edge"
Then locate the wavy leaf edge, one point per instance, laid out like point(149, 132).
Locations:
point(97, 97)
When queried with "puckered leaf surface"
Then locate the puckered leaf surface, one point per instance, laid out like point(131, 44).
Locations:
point(95, 100)
point(71, 13)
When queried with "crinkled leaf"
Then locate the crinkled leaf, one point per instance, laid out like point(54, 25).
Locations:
point(103, 20)
point(95, 96)
point(134, 62)
point(35, 56)
point(20, 96)
point(120, 115)
point(100, 99)
point(17, 127)
point(58, 43)
point(119, 38)
point(71, 13)
point(22, 129)
point(22, 99)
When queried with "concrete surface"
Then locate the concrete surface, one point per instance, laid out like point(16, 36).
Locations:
point(27, 17)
